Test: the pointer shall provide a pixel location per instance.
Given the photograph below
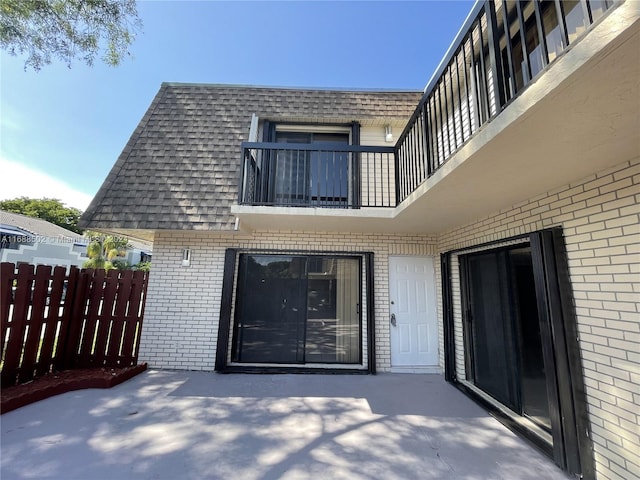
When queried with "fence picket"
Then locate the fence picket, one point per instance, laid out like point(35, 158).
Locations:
point(75, 305)
point(129, 350)
point(96, 294)
point(52, 322)
point(35, 321)
point(17, 324)
point(7, 276)
point(143, 301)
point(117, 325)
point(104, 320)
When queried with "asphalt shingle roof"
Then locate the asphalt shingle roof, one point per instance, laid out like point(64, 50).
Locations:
point(37, 226)
point(180, 168)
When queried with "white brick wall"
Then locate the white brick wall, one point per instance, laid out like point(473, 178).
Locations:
point(600, 216)
point(183, 303)
point(600, 219)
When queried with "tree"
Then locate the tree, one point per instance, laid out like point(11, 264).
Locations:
point(49, 209)
point(68, 29)
point(106, 251)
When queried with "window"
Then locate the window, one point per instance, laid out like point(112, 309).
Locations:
point(297, 309)
point(312, 177)
point(324, 175)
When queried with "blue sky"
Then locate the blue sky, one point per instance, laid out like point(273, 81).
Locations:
point(62, 129)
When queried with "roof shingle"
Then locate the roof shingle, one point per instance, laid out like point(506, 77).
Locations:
point(180, 168)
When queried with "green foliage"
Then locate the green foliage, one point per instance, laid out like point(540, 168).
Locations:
point(143, 266)
point(49, 209)
point(94, 249)
point(97, 262)
point(105, 251)
point(120, 264)
point(68, 29)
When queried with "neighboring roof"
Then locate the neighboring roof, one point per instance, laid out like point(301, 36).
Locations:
point(37, 226)
point(17, 224)
point(180, 169)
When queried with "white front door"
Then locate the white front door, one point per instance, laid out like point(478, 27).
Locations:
point(413, 322)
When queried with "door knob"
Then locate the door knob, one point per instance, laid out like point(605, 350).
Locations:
point(393, 319)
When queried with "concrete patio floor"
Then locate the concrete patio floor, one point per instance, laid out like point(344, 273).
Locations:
point(195, 425)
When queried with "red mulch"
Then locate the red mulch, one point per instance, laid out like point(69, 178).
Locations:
point(66, 381)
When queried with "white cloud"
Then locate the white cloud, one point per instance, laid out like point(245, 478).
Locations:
point(18, 180)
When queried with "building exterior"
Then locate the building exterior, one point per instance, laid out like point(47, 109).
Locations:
point(33, 240)
point(487, 228)
point(25, 239)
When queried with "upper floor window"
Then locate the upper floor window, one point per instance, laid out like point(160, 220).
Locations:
point(324, 175)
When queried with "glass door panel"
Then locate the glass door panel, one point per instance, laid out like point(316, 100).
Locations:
point(491, 330)
point(291, 182)
point(312, 177)
point(535, 403)
point(333, 320)
point(271, 309)
point(329, 172)
point(298, 309)
point(505, 341)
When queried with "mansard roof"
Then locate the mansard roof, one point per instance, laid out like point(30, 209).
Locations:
point(181, 166)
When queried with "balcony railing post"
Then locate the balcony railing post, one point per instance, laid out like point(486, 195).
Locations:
point(356, 160)
point(483, 80)
point(526, 76)
point(494, 55)
point(513, 85)
point(242, 185)
point(541, 34)
point(396, 160)
point(562, 23)
point(425, 144)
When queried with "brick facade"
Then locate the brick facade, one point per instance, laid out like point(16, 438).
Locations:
point(600, 217)
point(181, 317)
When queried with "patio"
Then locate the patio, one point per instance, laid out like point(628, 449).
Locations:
point(195, 425)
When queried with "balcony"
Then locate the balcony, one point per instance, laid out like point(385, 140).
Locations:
point(327, 175)
point(502, 48)
point(531, 96)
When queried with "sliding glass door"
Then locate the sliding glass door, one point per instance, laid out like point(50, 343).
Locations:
point(312, 177)
point(293, 309)
point(520, 342)
point(504, 331)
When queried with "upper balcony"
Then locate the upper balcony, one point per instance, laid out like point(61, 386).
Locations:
point(531, 95)
point(325, 175)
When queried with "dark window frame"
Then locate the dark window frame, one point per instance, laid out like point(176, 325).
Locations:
point(507, 292)
point(226, 321)
point(269, 130)
point(572, 448)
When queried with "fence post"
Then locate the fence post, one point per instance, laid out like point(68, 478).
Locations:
point(140, 305)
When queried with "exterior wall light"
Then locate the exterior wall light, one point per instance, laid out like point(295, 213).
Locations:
point(388, 133)
point(186, 257)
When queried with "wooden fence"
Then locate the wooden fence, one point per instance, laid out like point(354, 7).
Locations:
point(54, 321)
